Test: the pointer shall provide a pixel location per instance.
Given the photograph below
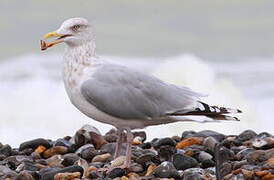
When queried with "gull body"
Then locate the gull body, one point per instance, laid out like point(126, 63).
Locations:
point(120, 96)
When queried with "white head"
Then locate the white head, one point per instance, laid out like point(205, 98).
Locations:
point(74, 32)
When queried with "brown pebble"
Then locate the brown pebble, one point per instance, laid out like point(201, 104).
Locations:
point(101, 157)
point(189, 141)
point(189, 153)
point(118, 161)
point(97, 140)
point(150, 169)
point(55, 150)
point(269, 176)
point(247, 174)
point(137, 140)
point(124, 178)
point(89, 170)
point(40, 149)
point(133, 176)
point(67, 176)
point(261, 173)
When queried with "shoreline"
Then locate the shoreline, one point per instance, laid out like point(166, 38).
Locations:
point(193, 155)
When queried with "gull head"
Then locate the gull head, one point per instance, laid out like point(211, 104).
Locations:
point(74, 32)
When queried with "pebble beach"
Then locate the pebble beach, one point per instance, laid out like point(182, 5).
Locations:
point(204, 155)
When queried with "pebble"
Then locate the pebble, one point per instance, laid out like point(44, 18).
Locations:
point(166, 170)
point(187, 134)
point(118, 161)
point(210, 143)
point(5, 150)
point(55, 161)
point(55, 150)
point(69, 159)
point(24, 175)
point(208, 133)
point(193, 174)
point(189, 141)
point(163, 141)
point(87, 151)
point(246, 135)
point(204, 156)
point(67, 176)
point(88, 134)
point(165, 152)
point(71, 169)
point(116, 172)
point(101, 157)
point(182, 162)
point(62, 142)
point(34, 144)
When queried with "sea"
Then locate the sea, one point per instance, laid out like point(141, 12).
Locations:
point(34, 103)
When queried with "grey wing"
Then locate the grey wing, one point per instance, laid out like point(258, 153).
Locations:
point(129, 94)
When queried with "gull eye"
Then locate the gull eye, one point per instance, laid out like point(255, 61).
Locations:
point(75, 27)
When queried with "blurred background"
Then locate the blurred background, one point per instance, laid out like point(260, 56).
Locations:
point(220, 48)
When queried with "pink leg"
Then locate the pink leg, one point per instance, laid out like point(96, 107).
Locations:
point(128, 150)
point(118, 143)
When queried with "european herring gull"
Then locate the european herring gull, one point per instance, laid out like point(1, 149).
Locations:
point(120, 96)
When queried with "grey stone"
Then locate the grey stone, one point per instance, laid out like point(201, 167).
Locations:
point(182, 162)
point(166, 170)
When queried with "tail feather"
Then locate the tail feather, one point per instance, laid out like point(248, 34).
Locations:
point(214, 112)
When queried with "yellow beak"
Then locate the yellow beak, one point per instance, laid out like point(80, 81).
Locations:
point(44, 45)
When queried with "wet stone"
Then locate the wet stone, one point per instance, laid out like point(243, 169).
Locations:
point(166, 170)
point(146, 145)
point(141, 134)
point(67, 176)
point(182, 162)
point(87, 151)
point(14, 161)
point(51, 173)
point(263, 135)
point(69, 159)
point(34, 144)
point(239, 164)
point(26, 152)
point(208, 133)
point(163, 141)
point(27, 165)
point(145, 158)
point(54, 151)
point(88, 134)
point(240, 155)
point(24, 175)
point(225, 168)
point(207, 163)
point(62, 142)
point(102, 158)
point(210, 143)
point(246, 135)
point(119, 161)
point(165, 152)
point(116, 172)
point(187, 134)
point(55, 161)
point(136, 168)
point(193, 174)
point(189, 142)
point(5, 150)
point(204, 156)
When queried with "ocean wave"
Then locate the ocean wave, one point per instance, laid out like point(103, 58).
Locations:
point(34, 102)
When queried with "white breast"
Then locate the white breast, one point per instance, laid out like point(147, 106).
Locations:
point(73, 82)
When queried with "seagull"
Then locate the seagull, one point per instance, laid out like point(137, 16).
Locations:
point(121, 96)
